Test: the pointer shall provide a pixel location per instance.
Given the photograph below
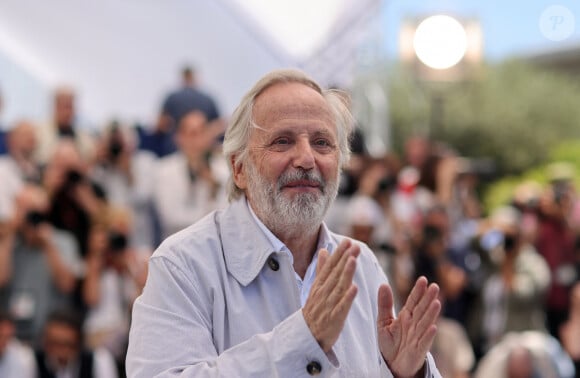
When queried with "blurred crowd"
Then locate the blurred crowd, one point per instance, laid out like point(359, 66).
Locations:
point(80, 214)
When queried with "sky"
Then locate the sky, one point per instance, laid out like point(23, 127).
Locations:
point(510, 27)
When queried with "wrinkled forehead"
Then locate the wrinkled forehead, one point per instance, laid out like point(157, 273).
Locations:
point(291, 101)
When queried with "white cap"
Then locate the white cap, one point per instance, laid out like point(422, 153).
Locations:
point(364, 211)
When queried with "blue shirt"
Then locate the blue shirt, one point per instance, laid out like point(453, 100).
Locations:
point(305, 284)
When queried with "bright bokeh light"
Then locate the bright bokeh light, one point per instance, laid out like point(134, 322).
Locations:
point(440, 41)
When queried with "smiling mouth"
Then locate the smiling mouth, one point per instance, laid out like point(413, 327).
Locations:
point(303, 184)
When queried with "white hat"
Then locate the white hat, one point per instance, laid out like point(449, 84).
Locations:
point(505, 216)
point(364, 211)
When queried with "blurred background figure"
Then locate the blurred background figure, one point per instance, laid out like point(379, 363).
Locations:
point(526, 354)
point(432, 259)
point(556, 242)
point(513, 296)
point(16, 359)
point(419, 153)
point(62, 354)
point(526, 198)
point(39, 265)
point(115, 275)
point(178, 104)
point(64, 124)
point(570, 330)
point(521, 364)
point(125, 175)
point(410, 199)
point(75, 201)
point(190, 182)
point(364, 218)
point(3, 148)
point(18, 165)
point(350, 175)
point(376, 183)
point(452, 349)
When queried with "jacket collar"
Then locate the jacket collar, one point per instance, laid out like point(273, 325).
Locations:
point(245, 246)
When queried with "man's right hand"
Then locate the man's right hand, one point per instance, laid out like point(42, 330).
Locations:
point(332, 293)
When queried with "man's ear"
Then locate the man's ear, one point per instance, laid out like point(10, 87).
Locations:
point(239, 173)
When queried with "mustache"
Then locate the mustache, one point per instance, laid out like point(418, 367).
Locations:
point(300, 174)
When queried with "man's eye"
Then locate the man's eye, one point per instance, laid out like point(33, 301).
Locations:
point(281, 141)
point(322, 143)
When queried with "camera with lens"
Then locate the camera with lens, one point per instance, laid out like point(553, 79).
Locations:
point(495, 238)
point(115, 145)
point(386, 184)
point(432, 233)
point(73, 177)
point(117, 242)
point(35, 218)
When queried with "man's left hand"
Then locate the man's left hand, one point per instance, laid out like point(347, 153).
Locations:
point(405, 340)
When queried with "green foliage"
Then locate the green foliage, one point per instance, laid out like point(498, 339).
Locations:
point(501, 192)
point(513, 113)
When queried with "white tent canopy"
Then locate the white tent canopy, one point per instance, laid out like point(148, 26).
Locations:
point(122, 57)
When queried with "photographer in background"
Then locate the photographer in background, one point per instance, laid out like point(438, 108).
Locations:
point(513, 296)
point(124, 173)
point(115, 275)
point(75, 200)
point(39, 265)
point(556, 241)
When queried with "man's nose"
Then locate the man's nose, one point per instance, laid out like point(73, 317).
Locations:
point(304, 155)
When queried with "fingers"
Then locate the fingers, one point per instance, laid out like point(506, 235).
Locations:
point(341, 252)
point(428, 318)
point(332, 293)
point(322, 257)
point(430, 295)
point(333, 267)
point(405, 340)
point(424, 316)
point(416, 294)
point(386, 305)
point(343, 306)
point(344, 283)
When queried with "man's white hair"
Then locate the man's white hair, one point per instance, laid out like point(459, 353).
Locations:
point(242, 123)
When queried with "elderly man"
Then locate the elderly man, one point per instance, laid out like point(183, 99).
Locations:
point(263, 288)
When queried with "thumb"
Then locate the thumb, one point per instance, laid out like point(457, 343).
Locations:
point(386, 304)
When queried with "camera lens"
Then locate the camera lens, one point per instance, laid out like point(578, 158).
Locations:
point(117, 241)
point(73, 177)
point(115, 149)
point(34, 218)
point(509, 242)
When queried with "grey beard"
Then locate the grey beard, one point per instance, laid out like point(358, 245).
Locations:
point(282, 215)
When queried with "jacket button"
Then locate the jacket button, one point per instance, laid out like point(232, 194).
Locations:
point(273, 264)
point(313, 368)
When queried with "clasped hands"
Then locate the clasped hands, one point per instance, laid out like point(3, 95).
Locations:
point(403, 340)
